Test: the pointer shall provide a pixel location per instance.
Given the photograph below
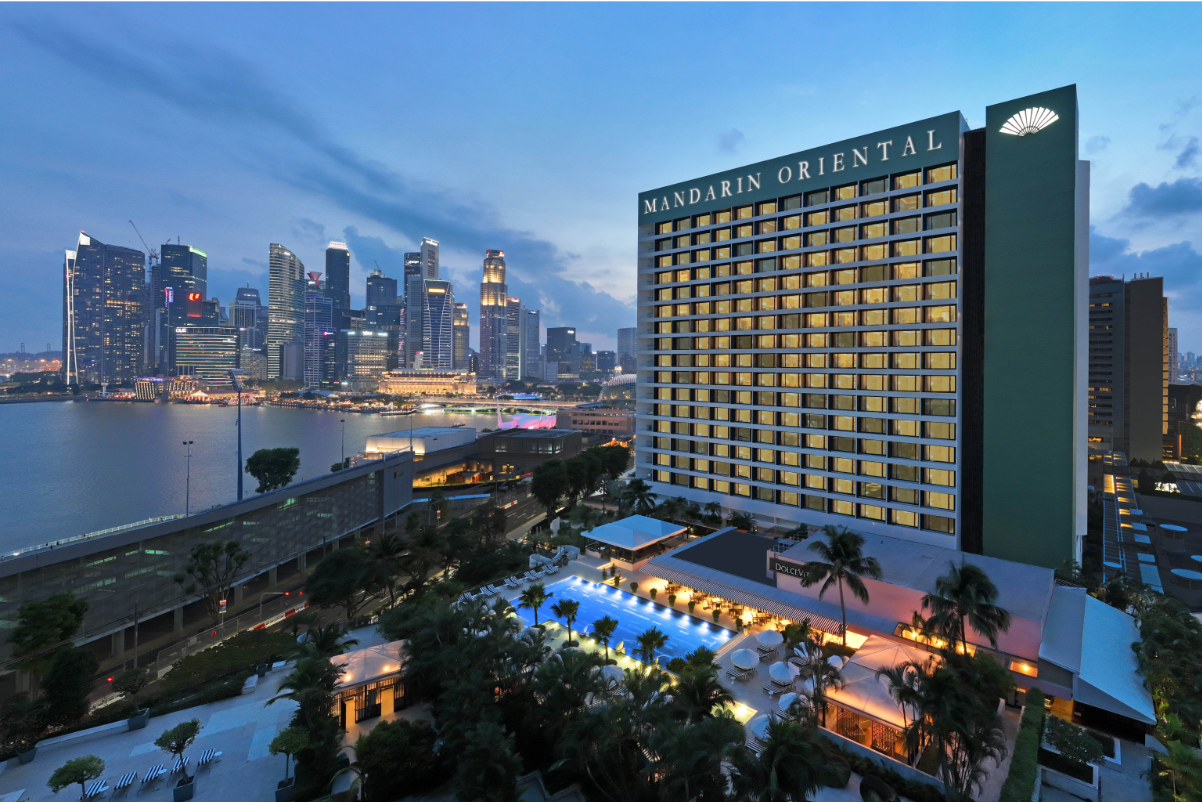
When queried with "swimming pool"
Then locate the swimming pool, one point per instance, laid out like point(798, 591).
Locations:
point(633, 614)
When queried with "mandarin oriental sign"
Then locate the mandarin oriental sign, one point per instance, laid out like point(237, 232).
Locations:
point(896, 150)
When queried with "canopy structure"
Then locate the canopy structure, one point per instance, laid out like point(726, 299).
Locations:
point(635, 538)
point(865, 693)
point(366, 666)
point(745, 659)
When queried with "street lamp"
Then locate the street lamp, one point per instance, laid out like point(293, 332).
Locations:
point(188, 481)
point(234, 374)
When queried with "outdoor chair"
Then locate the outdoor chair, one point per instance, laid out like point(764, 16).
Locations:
point(772, 689)
point(552, 569)
point(755, 746)
point(736, 674)
point(125, 782)
point(208, 757)
point(95, 789)
point(180, 765)
point(512, 582)
point(154, 773)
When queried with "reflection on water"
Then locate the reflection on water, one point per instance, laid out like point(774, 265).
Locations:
point(76, 467)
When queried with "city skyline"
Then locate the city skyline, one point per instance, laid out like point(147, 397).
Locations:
point(568, 253)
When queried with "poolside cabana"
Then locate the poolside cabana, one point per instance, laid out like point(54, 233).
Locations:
point(371, 684)
point(863, 710)
point(632, 541)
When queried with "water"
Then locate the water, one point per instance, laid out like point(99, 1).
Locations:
point(634, 616)
point(70, 468)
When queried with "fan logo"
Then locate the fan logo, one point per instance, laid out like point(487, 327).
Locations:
point(1029, 121)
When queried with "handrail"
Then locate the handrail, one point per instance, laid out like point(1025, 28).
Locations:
point(90, 536)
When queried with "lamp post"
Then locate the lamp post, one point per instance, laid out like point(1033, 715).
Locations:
point(234, 374)
point(188, 481)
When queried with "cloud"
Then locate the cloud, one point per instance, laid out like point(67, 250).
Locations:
point(255, 263)
point(1097, 144)
point(211, 85)
point(730, 139)
point(1179, 198)
point(1179, 264)
point(1188, 157)
point(307, 229)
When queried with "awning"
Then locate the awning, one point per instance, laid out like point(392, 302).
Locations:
point(743, 597)
point(866, 693)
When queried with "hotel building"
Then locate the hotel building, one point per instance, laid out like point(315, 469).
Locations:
point(886, 333)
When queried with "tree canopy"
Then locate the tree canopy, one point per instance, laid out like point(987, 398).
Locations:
point(211, 571)
point(273, 467)
point(43, 626)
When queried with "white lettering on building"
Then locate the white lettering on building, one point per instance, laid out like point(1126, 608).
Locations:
point(909, 150)
point(884, 146)
point(837, 163)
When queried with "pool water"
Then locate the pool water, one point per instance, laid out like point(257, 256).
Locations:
point(633, 614)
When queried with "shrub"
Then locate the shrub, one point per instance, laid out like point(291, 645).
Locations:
point(692, 604)
point(239, 653)
point(1073, 742)
point(911, 789)
point(634, 587)
point(398, 754)
point(652, 593)
point(717, 614)
point(671, 599)
point(1062, 764)
point(677, 664)
point(1020, 782)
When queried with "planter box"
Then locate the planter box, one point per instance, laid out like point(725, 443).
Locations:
point(286, 790)
point(25, 758)
point(1071, 785)
point(139, 721)
point(184, 789)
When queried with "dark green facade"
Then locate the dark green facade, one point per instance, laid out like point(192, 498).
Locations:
point(1034, 287)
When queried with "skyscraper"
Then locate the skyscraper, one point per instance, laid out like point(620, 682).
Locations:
point(382, 308)
point(415, 300)
point(206, 353)
point(513, 339)
point(181, 274)
point(462, 335)
point(562, 346)
point(247, 312)
point(285, 304)
point(438, 323)
point(493, 327)
point(413, 269)
point(530, 348)
point(626, 349)
point(429, 250)
point(338, 280)
point(319, 333)
point(104, 291)
point(1174, 362)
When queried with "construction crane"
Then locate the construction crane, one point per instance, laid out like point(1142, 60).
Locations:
point(154, 255)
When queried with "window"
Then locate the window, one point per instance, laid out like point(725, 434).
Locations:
point(743, 231)
point(743, 212)
point(904, 518)
point(788, 204)
point(874, 186)
point(845, 193)
point(872, 469)
point(907, 247)
point(941, 197)
point(938, 523)
point(939, 406)
point(903, 495)
point(945, 173)
point(936, 476)
point(872, 511)
point(941, 244)
point(663, 228)
point(938, 430)
point(906, 225)
point(817, 197)
point(907, 180)
point(906, 204)
point(768, 207)
point(817, 239)
point(941, 290)
point(818, 218)
point(941, 361)
point(769, 226)
point(941, 267)
point(940, 314)
point(905, 270)
point(722, 217)
point(941, 220)
point(845, 213)
point(939, 453)
point(872, 231)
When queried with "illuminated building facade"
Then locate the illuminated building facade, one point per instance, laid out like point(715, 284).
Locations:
point(104, 287)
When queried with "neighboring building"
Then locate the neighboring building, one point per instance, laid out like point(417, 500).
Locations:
point(149, 388)
point(104, 289)
point(606, 361)
point(206, 353)
point(428, 382)
point(898, 355)
point(1174, 363)
point(382, 308)
point(338, 281)
point(320, 336)
point(561, 345)
point(461, 335)
point(253, 363)
point(429, 251)
point(367, 356)
point(514, 452)
point(247, 312)
point(550, 371)
point(627, 346)
point(493, 311)
point(604, 422)
point(530, 349)
point(181, 273)
point(285, 304)
point(1128, 367)
point(413, 269)
point(438, 325)
point(513, 339)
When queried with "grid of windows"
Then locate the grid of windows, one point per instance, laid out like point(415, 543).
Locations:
point(805, 350)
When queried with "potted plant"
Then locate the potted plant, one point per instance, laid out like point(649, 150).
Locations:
point(176, 741)
point(692, 604)
point(671, 599)
point(22, 722)
point(129, 685)
point(652, 593)
point(634, 587)
point(80, 770)
point(717, 613)
point(288, 743)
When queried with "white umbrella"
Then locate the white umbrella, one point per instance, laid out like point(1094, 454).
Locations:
point(836, 661)
point(786, 700)
point(759, 727)
point(780, 672)
point(770, 637)
point(807, 687)
point(794, 670)
point(745, 659)
point(613, 674)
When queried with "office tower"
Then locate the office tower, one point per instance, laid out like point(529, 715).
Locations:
point(247, 312)
point(493, 323)
point(338, 280)
point(181, 269)
point(461, 338)
point(367, 356)
point(438, 323)
point(1128, 367)
point(415, 300)
point(1174, 362)
point(606, 360)
point(252, 362)
point(104, 294)
point(285, 304)
point(319, 334)
point(626, 349)
point(530, 347)
point(206, 353)
point(382, 307)
point(513, 339)
point(866, 334)
point(563, 348)
point(413, 269)
point(429, 251)
point(585, 361)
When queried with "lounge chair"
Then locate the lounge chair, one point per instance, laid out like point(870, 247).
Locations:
point(736, 673)
point(125, 781)
point(208, 757)
point(772, 689)
point(95, 789)
point(180, 764)
point(755, 746)
point(512, 582)
point(531, 576)
point(153, 773)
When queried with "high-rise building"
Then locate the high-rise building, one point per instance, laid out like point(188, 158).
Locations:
point(531, 347)
point(320, 342)
point(1129, 367)
point(606, 361)
point(563, 348)
point(461, 338)
point(181, 269)
point(104, 294)
point(493, 323)
point(1174, 362)
point(382, 308)
point(338, 280)
point(413, 269)
point(252, 362)
point(247, 312)
point(862, 333)
point(429, 251)
point(206, 353)
point(285, 304)
point(513, 339)
point(367, 357)
point(438, 325)
point(626, 349)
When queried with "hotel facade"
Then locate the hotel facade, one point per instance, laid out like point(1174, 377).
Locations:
point(886, 333)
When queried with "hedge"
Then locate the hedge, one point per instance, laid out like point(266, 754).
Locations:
point(1024, 764)
point(240, 653)
point(911, 789)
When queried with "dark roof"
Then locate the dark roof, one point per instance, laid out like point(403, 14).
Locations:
point(733, 552)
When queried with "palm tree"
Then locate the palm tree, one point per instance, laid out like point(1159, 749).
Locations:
point(638, 495)
point(713, 514)
point(691, 756)
point(603, 630)
point(388, 555)
point(904, 688)
point(966, 595)
point(821, 674)
point(650, 641)
point(841, 562)
point(701, 657)
point(796, 633)
point(567, 609)
point(325, 642)
point(795, 763)
point(700, 692)
point(741, 520)
point(533, 598)
point(311, 685)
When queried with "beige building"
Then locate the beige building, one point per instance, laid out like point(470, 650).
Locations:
point(428, 382)
point(605, 422)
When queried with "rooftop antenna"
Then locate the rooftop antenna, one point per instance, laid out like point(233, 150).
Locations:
point(154, 255)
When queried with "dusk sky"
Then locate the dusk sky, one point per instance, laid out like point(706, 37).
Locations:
point(531, 128)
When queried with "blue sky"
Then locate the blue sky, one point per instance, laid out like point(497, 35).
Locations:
point(532, 128)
